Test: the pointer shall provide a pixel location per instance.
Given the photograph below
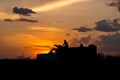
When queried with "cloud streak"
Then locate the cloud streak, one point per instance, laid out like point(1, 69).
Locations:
point(9, 20)
point(47, 29)
point(42, 47)
point(83, 29)
point(55, 5)
point(21, 19)
point(27, 20)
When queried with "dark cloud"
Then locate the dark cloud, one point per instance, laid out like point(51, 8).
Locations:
point(82, 29)
point(27, 20)
point(9, 20)
point(23, 11)
point(107, 44)
point(103, 25)
point(85, 40)
point(110, 43)
point(115, 3)
point(108, 26)
point(116, 22)
point(21, 19)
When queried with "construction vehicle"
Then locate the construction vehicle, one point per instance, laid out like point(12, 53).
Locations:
point(70, 55)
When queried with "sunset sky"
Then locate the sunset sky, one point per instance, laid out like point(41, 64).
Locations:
point(30, 27)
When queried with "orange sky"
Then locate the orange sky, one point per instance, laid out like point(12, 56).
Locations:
point(56, 21)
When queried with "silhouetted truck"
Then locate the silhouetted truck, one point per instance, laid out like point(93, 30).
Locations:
point(74, 55)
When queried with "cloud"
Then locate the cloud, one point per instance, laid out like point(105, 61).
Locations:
point(115, 3)
point(27, 20)
point(110, 43)
point(83, 29)
point(23, 11)
point(107, 44)
point(85, 40)
point(21, 19)
point(9, 20)
point(107, 25)
point(39, 47)
point(42, 47)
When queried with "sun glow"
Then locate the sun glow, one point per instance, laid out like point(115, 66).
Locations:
point(42, 47)
point(55, 5)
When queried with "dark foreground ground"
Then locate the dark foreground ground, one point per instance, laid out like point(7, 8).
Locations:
point(54, 70)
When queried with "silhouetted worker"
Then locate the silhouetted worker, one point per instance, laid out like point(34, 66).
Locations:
point(65, 44)
point(81, 45)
